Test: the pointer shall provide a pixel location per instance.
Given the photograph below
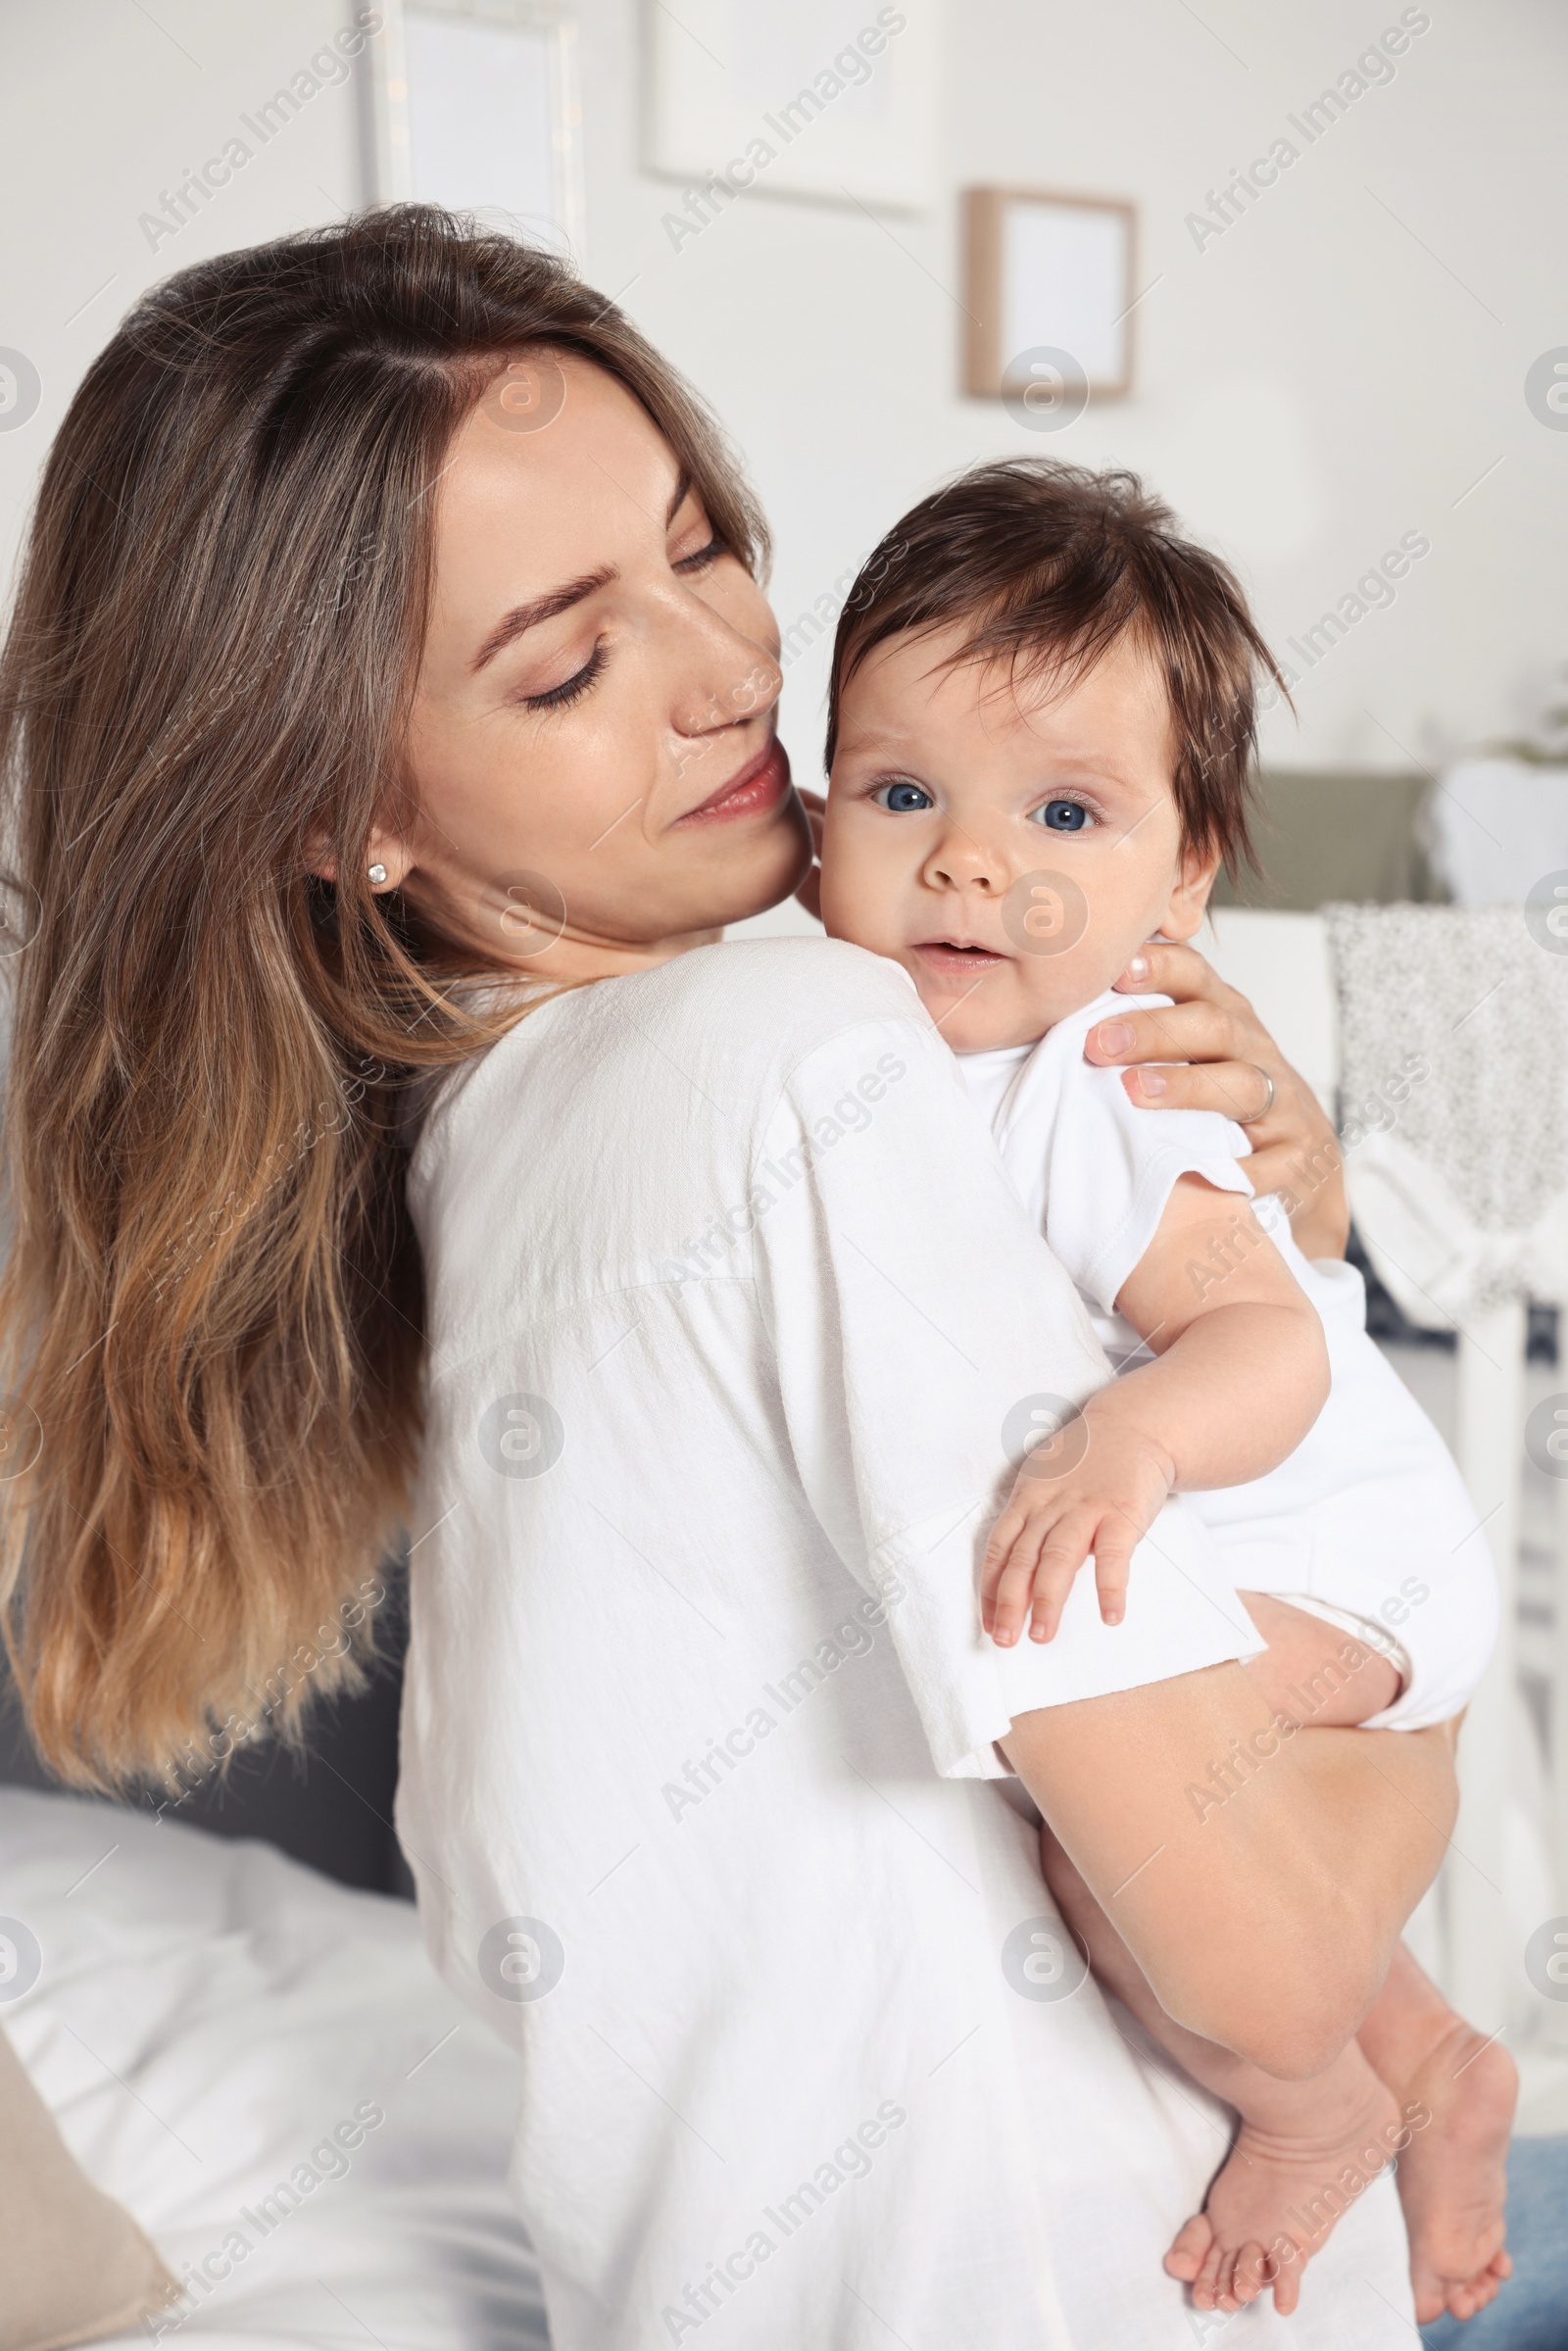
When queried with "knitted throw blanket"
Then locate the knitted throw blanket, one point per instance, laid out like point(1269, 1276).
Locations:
point(1453, 1073)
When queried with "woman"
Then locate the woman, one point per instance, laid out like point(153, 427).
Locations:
point(390, 681)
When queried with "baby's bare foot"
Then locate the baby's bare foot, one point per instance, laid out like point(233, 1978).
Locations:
point(1454, 2175)
point(1276, 2198)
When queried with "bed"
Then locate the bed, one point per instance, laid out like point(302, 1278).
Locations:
point(205, 2014)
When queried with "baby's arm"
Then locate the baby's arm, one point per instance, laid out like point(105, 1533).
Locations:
point(1241, 1376)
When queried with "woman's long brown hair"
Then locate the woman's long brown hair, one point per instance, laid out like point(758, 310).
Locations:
point(211, 1351)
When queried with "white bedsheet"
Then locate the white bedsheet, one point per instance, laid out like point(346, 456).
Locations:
point(207, 2013)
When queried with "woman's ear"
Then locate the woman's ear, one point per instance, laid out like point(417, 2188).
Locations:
point(387, 860)
point(1189, 900)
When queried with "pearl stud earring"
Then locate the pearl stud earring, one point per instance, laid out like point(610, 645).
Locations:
point(378, 873)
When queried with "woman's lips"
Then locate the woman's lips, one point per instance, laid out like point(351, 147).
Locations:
point(759, 785)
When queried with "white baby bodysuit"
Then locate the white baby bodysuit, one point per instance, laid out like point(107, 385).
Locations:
point(1369, 1514)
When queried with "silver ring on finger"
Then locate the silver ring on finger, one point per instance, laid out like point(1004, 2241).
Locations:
point(1259, 1115)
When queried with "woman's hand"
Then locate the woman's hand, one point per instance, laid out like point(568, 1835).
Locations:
point(1295, 1149)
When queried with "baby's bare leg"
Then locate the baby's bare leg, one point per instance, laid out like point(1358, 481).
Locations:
point(1453, 2182)
point(1303, 2152)
point(1420, 2082)
point(1312, 1672)
point(1453, 2178)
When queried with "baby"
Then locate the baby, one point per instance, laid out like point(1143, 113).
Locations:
point(1041, 731)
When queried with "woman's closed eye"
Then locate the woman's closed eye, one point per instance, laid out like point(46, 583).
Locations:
point(901, 798)
point(702, 559)
point(570, 689)
point(694, 545)
point(1064, 817)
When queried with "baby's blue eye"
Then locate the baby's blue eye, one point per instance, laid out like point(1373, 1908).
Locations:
point(1064, 817)
point(903, 799)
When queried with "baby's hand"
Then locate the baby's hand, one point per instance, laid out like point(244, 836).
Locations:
point(1097, 1487)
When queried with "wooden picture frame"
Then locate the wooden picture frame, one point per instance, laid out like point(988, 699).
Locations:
point(1047, 270)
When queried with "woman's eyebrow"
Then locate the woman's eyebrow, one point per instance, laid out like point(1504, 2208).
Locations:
point(543, 607)
point(683, 490)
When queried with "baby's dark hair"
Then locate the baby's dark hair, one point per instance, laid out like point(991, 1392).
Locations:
point(1049, 564)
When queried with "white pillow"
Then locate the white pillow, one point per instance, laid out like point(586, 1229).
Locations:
point(265, 2068)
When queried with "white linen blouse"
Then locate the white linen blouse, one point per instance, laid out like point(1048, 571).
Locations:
point(732, 1318)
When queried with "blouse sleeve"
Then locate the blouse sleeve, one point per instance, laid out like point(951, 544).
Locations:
point(918, 1323)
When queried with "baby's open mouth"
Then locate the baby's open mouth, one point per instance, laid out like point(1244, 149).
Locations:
point(952, 956)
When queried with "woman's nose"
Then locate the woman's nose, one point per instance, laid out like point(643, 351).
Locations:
point(727, 695)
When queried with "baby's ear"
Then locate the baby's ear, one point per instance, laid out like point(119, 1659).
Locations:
point(1189, 898)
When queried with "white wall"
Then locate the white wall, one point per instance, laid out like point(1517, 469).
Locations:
point(104, 106)
point(1314, 384)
